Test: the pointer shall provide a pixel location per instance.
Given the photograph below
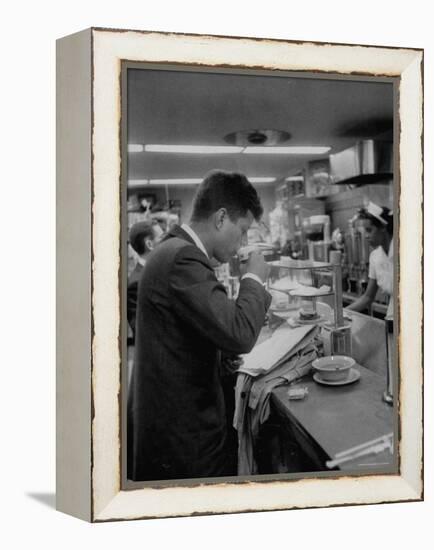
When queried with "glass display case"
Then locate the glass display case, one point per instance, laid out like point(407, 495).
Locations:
point(309, 292)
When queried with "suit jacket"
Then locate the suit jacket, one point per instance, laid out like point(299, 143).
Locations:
point(177, 424)
point(133, 284)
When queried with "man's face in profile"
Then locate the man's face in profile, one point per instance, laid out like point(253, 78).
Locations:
point(232, 235)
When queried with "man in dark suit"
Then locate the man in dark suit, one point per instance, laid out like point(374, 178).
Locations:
point(177, 421)
point(143, 236)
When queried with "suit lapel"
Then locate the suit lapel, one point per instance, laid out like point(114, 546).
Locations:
point(179, 233)
point(176, 231)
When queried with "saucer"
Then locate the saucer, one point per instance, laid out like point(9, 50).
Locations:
point(309, 292)
point(295, 321)
point(353, 376)
point(283, 313)
point(275, 309)
point(318, 319)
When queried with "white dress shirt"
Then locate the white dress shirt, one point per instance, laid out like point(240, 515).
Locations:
point(195, 238)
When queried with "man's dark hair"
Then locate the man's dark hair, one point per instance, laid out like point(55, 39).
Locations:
point(230, 190)
point(138, 233)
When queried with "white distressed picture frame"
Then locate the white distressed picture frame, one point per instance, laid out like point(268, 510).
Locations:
point(88, 274)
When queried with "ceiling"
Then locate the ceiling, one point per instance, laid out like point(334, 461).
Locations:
point(201, 108)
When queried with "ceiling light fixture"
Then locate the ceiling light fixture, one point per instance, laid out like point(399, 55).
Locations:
point(286, 150)
point(137, 183)
point(193, 149)
point(175, 181)
point(135, 148)
point(188, 181)
point(227, 149)
point(258, 136)
point(261, 180)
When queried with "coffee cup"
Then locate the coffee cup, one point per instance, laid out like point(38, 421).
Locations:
point(245, 251)
point(333, 368)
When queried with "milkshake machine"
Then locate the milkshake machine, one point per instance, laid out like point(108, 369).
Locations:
point(317, 232)
point(356, 256)
point(337, 335)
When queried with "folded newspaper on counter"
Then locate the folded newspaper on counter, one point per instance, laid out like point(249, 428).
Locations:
point(281, 346)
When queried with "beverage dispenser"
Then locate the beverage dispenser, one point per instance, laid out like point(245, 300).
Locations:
point(356, 256)
point(317, 231)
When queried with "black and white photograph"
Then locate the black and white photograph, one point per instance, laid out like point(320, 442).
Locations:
point(244, 294)
point(259, 260)
point(217, 275)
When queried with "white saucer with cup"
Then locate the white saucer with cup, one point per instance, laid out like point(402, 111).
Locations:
point(335, 370)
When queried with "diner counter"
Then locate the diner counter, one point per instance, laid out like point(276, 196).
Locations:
point(333, 419)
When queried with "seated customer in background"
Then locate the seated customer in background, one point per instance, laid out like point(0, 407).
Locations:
point(143, 237)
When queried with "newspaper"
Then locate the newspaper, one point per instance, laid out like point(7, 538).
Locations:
point(283, 344)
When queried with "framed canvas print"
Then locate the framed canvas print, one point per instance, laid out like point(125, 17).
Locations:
point(239, 274)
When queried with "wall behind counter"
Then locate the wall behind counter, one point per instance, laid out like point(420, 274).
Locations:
point(185, 194)
point(342, 206)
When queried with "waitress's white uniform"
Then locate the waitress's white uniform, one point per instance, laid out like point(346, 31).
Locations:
point(381, 269)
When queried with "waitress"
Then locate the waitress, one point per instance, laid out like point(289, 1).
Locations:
point(378, 223)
